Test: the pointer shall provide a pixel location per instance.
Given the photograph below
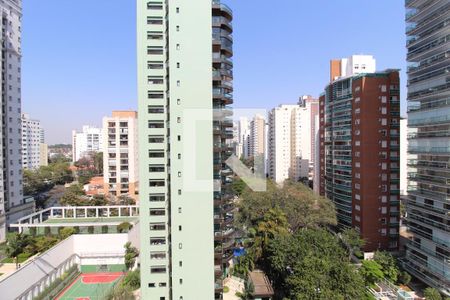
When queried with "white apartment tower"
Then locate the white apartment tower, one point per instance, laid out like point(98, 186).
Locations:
point(87, 141)
point(186, 241)
point(257, 143)
point(120, 153)
point(11, 198)
point(31, 142)
point(291, 140)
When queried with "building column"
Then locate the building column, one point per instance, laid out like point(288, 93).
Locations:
point(85, 213)
point(120, 211)
point(96, 212)
point(74, 212)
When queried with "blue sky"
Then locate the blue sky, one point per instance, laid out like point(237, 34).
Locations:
point(79, 55)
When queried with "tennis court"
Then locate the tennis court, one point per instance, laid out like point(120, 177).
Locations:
point(91, 286)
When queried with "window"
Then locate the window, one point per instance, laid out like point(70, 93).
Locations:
point(178, 47)
point(156, 168)
point(383, 166)
point(178, 65)
point(179, 137)
point(156, 183)
point(154, 20)
point(383, 144)
point(155, 95)
point(179, 210)
point(155, 50)
point(383, 99)
point(157, 255)
point(155, 80)
point(383, 110)
point(179, 192)
point(155, 109)
point(178, 101)
point(180, 246)
point(357, 196)
point(179, 174)
point(358, 175)
point(179, 155)
point(180, 263)
point(180, 228)
point(383, 188)
point(155, 65)
point(383, 232)
point(357, 111)
point(383, 210)
point(357, 186)
point(156, 153)
point(151, 285)
point(156, 241)
point(157, 197)
point(178, 83)
point(383, 88)
point(357, 143)
point(157, 212)
point(158, 270)
point(357, 99)
point(383, 199)
point(357, 164)
point(152, 35)
point(383, 177)
point(178, 119)
point(153, 139)
point(157, 226)
point(383, 122)
point(357, 207)
point(357, 121)
point(357, 218)
point(178, 28)
point(154, 6)
point(155, 124)
point(162, 284)
point(181, 282)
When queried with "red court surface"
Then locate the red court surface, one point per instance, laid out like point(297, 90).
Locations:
point(90, 286)
point(100, 277)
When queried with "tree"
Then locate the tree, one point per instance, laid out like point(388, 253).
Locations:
point(371, 271)
point(98, 162)
point(132, 280)
point(238, 185)
point(388, 264)
point(352, 241)
point(274, 223)
point(15, 245)
point(124, 227)
point(301, 206)
point(311, 264)
point(404, 278)
point(432, 294)
point(131, 253)
point(126, 200)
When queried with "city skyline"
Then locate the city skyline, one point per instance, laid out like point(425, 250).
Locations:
point(300, 67)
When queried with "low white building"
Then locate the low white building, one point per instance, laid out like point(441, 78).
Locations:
point(88, 141)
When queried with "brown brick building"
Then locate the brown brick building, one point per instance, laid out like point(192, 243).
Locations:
point(359, 154)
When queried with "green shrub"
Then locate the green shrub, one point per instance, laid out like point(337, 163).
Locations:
point(124, 227)
point(66, 232)
point(91, 229)
point(105, 229)
point(226, 289)
point(132, 280)
point(76, 229)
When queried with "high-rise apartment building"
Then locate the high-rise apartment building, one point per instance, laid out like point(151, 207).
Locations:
point(284, 159)
point(309, 112)
point(120, 153)
point(186, 215)
point(31, 141)
point(257, 136)
point(359, 154)
point(11, 198)
point(291, 136)
point(428, 201)
point(86, 142)
point(403, 156)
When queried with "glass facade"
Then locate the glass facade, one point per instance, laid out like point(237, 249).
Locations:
point(428, 201)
